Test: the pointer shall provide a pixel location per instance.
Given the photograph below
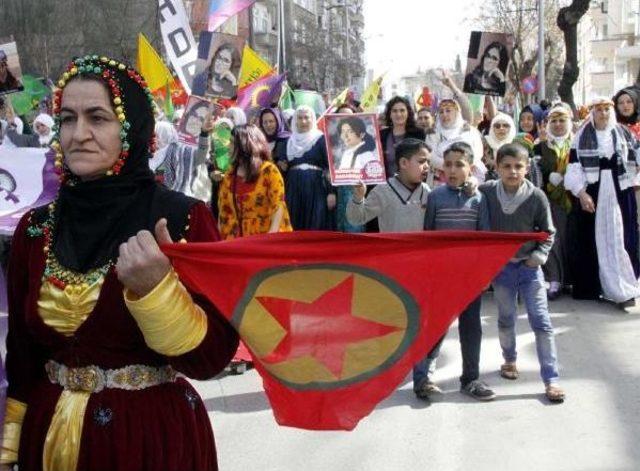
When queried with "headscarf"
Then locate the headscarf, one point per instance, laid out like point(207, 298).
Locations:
point(558, 110)
point(538, 116)
point(47, 121)
point(166, 134)
point(602, 100)
point(633, 93)
point(281, 131)
point(301, 142)
point(492, 139)
point(454, 129)
point(236, 115)
point(92, 218)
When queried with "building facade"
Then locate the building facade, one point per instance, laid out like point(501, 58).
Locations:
point(323, 44)
point(608, 48)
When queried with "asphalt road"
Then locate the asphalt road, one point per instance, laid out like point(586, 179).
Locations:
point(596, 428)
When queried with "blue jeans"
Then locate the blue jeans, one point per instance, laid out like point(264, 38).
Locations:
point(529, 282)
point(470, 331)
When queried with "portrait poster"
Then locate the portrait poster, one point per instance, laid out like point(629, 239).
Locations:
point(488, 63)
point(218, 65)
point(195, 113)
point(353, 149)
point(10, 71)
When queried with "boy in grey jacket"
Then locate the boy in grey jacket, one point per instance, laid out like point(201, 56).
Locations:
point(516, 205)
point(399, 204)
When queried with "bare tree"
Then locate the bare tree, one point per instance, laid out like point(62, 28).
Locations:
point(568, 19)
point(520, 19)
point(318, 62)
point(49, 33)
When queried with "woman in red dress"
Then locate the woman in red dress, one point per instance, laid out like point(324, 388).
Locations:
point(101, 330)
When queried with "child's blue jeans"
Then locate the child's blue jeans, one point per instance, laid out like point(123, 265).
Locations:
point(518, 278)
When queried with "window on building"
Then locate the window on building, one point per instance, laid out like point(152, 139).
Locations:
point(261, 19)
point(306, 4)
point(296, 30)
point(605, 31)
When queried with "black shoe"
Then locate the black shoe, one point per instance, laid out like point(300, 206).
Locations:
point(427, 389)
point(626, 304)
point(553, 295)
point(478, 390)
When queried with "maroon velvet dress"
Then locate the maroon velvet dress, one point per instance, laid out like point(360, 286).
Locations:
point(164, 427)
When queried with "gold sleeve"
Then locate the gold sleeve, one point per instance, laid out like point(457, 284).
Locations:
point(13, 416)
point(172, 324)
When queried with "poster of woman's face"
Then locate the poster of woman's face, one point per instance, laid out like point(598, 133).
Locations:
point(218, 65)
point(10, 72)
point(487, 63)
point(353, 148)
point(194, 115)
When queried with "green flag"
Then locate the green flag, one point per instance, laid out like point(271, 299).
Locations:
point(294, 98)
point(168, 103)
point(26, 100)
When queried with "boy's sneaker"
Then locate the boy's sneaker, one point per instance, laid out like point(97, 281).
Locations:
point(478, 390)
point(427, 389)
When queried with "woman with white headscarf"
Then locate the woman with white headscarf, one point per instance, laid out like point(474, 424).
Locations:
point(307, 190)
point(237, 115)
point(501, 131)
point(43, 126)
point(180, 167)
point(451, 127)
point(603, 227)
point(552, 158)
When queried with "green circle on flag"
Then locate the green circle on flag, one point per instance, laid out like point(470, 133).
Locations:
point(325, 326)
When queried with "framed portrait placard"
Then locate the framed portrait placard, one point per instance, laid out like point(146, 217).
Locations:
point(218, 65)
point(488, 63)
point(195, 113)
point(353, 149)
point(10, 71)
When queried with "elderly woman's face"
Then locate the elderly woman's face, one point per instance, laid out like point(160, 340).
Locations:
point(491, 59)
point(303, 121)
point(625, 105)
point(501, 129)
point(601, 115)
point(222, 61)
point(89, 129)
point(42, 129)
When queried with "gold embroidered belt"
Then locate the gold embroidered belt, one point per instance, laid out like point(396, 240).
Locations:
point(92, 379)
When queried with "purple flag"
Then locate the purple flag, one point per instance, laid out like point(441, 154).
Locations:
point(261, 93)
point(221, 10)
point(27, 180)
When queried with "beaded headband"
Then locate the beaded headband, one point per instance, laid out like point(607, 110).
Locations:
point(105, 68)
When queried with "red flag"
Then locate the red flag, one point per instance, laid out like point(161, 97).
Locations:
point(336, 321)
point(425, 99)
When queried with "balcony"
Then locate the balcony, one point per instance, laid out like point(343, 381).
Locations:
point(265, 37)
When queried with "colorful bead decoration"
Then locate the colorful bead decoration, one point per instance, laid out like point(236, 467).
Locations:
point(106, 69)
point(63, 278)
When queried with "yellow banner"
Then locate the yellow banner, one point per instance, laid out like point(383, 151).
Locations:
point(150, 65)
point(340, 99)
point(253, 67)
point(369, 99)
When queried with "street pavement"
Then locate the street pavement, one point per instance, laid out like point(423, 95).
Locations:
point(596, 429)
